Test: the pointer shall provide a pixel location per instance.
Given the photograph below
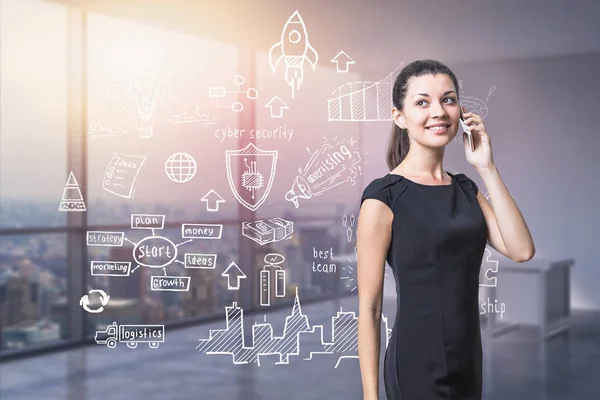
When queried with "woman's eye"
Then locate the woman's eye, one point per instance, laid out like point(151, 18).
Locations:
point(419, 102)
point(450, 98)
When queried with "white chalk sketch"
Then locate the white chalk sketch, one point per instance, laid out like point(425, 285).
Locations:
point(201, 231)
point(168, 283)
point(105, 238)
point(342, 62)
point(200, 261)
point(273, 261)
point(144, 88)
point(234, 274)
point(85, 301)
point(155, 252)
point(212, 200)
point(98, 130)
point(221, 93)
point(110, 268)
point(140, 82)
point(297, 331)
point(131, 335)
point(268, 231)
point(180, 167)
point(349, 226)
point(121, 173)
point(344, 341)
point(72, 199)
point(487, 269)
point(293, 48)
point(363, 101)
point(255, 181)
point(192, 115)
point(475, 104)
point(335, 163)
point(276, 106)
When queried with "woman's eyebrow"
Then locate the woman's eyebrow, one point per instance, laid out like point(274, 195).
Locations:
point(426, 95)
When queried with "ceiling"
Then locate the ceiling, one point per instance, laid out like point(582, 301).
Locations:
point(381, 33)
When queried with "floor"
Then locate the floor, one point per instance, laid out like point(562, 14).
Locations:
point(516, 367)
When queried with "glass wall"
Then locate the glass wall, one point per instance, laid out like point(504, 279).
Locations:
point(156, 153)
point(166, 118)
point(33, 174)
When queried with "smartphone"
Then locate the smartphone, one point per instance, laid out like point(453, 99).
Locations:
point(466, 129)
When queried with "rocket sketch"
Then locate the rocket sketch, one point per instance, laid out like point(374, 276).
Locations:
point(294, 49)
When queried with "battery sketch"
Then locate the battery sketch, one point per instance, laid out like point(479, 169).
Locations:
point(272, 261)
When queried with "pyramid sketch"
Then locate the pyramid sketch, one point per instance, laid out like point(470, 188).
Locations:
point(72, 200)
point(363, 101)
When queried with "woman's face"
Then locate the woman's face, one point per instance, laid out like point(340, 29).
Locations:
point(431, 100)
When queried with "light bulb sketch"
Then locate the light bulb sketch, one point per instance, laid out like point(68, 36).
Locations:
point(140, 84)
point(144, 88)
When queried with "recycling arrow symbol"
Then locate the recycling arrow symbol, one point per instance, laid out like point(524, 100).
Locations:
point(85, 301)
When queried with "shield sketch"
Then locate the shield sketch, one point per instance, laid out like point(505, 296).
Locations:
point(255, 181)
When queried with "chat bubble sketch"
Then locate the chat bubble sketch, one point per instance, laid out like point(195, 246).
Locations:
point(364, 100)
point(121, 173)
point(222, 93)
point(297, 331)
point(335, 163)
point(72, 199)
point(294, 49)
point(342, 62)
point(256, 179)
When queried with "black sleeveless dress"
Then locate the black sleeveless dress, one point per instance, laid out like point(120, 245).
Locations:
point(438, 240)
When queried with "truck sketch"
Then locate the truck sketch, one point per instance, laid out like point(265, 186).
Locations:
point(131, 334)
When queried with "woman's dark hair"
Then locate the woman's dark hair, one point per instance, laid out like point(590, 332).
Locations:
point(399, 143)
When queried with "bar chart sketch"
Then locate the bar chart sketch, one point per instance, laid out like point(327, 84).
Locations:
point(363, 101)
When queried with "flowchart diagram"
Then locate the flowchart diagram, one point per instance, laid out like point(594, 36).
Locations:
point(155, 252)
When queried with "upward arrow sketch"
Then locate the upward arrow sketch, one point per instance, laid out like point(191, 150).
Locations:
point(233, 273)
point(342, 60)
point(212, 200)
point(276, 105)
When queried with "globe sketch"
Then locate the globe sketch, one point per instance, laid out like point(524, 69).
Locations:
point(180, 167)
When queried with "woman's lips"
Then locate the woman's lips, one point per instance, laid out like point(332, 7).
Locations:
point(438, 130)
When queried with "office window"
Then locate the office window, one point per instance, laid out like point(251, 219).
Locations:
point(33, 85)
point(161, 278)
point(33, 290)
point(163, 110)
point(153, 143)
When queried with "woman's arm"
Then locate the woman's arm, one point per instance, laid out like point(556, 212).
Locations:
point(373, 240)
point(508, 231)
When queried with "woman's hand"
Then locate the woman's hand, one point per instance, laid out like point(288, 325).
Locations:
point(481, 157)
